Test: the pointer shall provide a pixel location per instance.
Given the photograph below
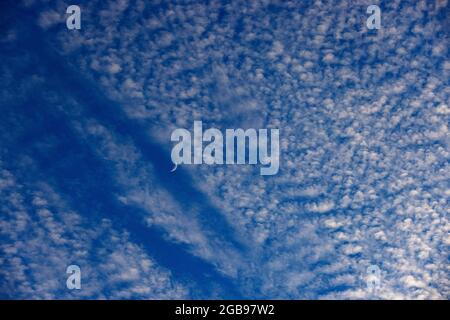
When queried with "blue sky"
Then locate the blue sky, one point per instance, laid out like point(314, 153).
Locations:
point(85, 125)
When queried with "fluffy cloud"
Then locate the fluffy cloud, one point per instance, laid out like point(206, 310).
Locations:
point(363, 117)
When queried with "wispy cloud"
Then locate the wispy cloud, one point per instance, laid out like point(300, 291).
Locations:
point(363, 117)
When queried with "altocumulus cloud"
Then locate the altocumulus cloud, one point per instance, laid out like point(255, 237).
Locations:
point(364, 144)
